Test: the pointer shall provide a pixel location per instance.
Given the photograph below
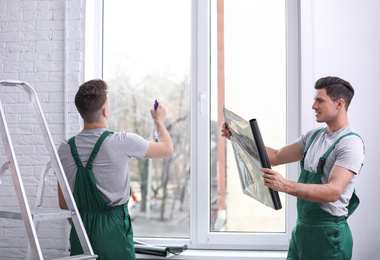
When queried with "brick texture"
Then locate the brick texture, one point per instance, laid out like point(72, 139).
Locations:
point(32, 49)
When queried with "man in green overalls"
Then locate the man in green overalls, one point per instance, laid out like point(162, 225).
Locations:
point(96, 163)
point(330, 160)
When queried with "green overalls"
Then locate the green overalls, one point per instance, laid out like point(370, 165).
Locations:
point(108, 227)
point(319, 235)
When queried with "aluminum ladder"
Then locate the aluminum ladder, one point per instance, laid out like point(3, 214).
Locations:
point(32, 216)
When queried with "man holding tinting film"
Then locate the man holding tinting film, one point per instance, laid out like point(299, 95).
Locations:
point(330, 159)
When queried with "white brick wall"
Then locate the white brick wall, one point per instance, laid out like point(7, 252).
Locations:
point(32, 49)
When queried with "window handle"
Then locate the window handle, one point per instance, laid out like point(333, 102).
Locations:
point(201, 101)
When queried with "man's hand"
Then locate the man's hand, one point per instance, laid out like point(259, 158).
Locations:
point(225, 131)
point(158, 114)
point(274, 180)
point(164, 147)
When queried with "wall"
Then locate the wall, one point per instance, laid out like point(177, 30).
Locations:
point(33, 39)
point(342, 38)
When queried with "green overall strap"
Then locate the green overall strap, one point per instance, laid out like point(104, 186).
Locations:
point(308, 146)
point(75, 154)
point(322, 160)
point(96, 148)
point(354, 201)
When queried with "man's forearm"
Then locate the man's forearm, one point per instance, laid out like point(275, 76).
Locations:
point(330, 192)
point(271, 155)
point(312, 192)
point(164, 137)
point(287, 154)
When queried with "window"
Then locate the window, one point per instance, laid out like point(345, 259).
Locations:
point(168, 50)
point(250, 76)
point(148, 58)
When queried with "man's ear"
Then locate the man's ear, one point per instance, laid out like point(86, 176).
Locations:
point(341, 104)
point(105, 112)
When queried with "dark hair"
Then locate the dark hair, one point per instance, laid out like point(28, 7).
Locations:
point(90, 98)
point(336, 88)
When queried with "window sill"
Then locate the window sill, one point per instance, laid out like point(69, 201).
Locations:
point(223, 255)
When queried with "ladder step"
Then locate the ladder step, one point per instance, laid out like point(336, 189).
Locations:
point(77, 257)
point(38, 214)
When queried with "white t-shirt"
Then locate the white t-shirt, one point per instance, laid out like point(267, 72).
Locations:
point(348, 153)
point(111, 164)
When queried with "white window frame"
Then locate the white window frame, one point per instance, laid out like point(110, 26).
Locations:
point(200, 235)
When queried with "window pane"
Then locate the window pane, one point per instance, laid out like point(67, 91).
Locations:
point(249, 77)
point(147, 57)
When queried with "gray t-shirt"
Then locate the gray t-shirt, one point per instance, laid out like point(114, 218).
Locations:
point(348, 153)
point(110, 166)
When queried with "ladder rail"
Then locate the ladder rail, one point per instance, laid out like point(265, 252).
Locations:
point(19, 186)
point(58, 169)
point(41, 185)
